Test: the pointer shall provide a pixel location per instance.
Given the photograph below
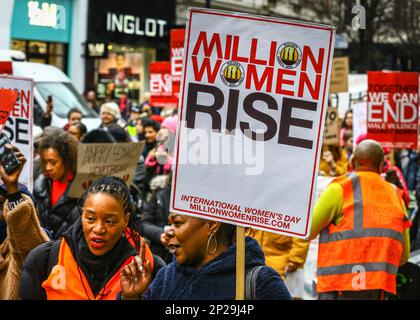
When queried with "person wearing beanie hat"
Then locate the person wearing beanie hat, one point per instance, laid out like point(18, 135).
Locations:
point(110, 114)
point(170, 123)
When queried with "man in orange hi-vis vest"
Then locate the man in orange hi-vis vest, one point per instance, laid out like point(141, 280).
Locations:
point(363, 227)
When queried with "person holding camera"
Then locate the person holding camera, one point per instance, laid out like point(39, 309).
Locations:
point(20, 231)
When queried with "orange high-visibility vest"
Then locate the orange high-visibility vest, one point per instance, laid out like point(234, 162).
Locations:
point(363, 252)
point(67, 281)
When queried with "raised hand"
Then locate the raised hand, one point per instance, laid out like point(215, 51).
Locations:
point(136, 276)
point(11, 180)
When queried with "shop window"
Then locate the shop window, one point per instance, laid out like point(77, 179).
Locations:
point(43, 52)
point(19, 45)
point(37, 47)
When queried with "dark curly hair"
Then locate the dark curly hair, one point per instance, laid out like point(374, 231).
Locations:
point(65, 145)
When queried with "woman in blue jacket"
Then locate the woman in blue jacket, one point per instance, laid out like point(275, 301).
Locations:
point(204, 267)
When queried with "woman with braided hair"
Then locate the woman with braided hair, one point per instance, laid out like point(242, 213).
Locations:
point(85, 263)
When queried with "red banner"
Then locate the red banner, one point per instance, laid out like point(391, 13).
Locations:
point(7, 101)
point(392, 115)
point(6, 67)
point(160, 85)
point(177, 53)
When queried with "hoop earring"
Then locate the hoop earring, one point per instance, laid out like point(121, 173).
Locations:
point(208, 244)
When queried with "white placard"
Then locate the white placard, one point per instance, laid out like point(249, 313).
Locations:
point(266, 79)
point(359, 120)
point(19, 124)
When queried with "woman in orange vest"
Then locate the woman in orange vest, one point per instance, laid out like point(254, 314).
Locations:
point(85, 264)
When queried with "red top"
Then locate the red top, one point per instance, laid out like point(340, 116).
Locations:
point(58, 189)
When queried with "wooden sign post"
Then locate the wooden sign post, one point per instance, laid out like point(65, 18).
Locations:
point(240, 263)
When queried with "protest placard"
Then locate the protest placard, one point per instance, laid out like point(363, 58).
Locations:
point(359, 120)
point(332, 127)
point(160, 85)
point(177, 54)
point(8, 100)
point(18, 126)
point(392, 113)
point(340, 75)
point(252, 116)
point(96, 160)
point(6, 67)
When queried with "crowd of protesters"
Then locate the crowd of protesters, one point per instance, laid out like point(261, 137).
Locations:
point(119, 242)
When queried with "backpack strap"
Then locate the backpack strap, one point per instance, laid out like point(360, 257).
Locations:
point(53, 256)
point(251, 283)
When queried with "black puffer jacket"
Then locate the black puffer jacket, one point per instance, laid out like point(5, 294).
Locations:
point(154, 218)
point(55, 219)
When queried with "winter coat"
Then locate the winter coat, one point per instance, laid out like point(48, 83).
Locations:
point(59, 218)
point(279, 250)
point(97, 270)
point(154, 218)
point(24, 233)
point(216, 279)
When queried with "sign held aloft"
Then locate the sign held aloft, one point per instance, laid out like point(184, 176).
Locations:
point(160, 83)
point(340, 75)
point(96, 160)
point(392, 114)
point(332, 128)
point(255, 83)
point(18, 126)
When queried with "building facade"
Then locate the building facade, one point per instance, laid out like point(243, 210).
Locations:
point(121, 42)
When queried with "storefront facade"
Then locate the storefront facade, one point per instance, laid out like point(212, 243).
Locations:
point(42, 29)
point(121, 42)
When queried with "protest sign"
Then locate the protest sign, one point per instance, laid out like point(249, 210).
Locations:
point(392, 113)
point(177, 54)
point(332, 127)
point(96, 160)
point(359, 121)
point(8, 100)
point(18, 126)
point(340, 75)
point(160, 85)
point(251, 83)
point(6, 67)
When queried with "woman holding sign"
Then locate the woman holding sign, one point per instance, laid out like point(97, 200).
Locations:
point(85, 264)
point(204, 267)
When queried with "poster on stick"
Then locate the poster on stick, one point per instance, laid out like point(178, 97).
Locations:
point(177, 54)
point(359, 121)
point(18, 126)
point(8, 100)
point(96, 160)
point(392, 113)
point(332, 128)
point(160, 85)
point(253, 103)
point(340, 75)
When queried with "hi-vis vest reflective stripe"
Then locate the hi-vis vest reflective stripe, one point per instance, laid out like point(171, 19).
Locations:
point(67, 281)
point(364, 251)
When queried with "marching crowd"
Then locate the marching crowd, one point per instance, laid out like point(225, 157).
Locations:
point(120, 242)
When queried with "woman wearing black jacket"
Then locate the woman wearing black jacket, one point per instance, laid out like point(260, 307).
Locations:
point(154, 219)
point(56, 210)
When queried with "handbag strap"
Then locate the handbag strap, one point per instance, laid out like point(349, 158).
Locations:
point(251, 283)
